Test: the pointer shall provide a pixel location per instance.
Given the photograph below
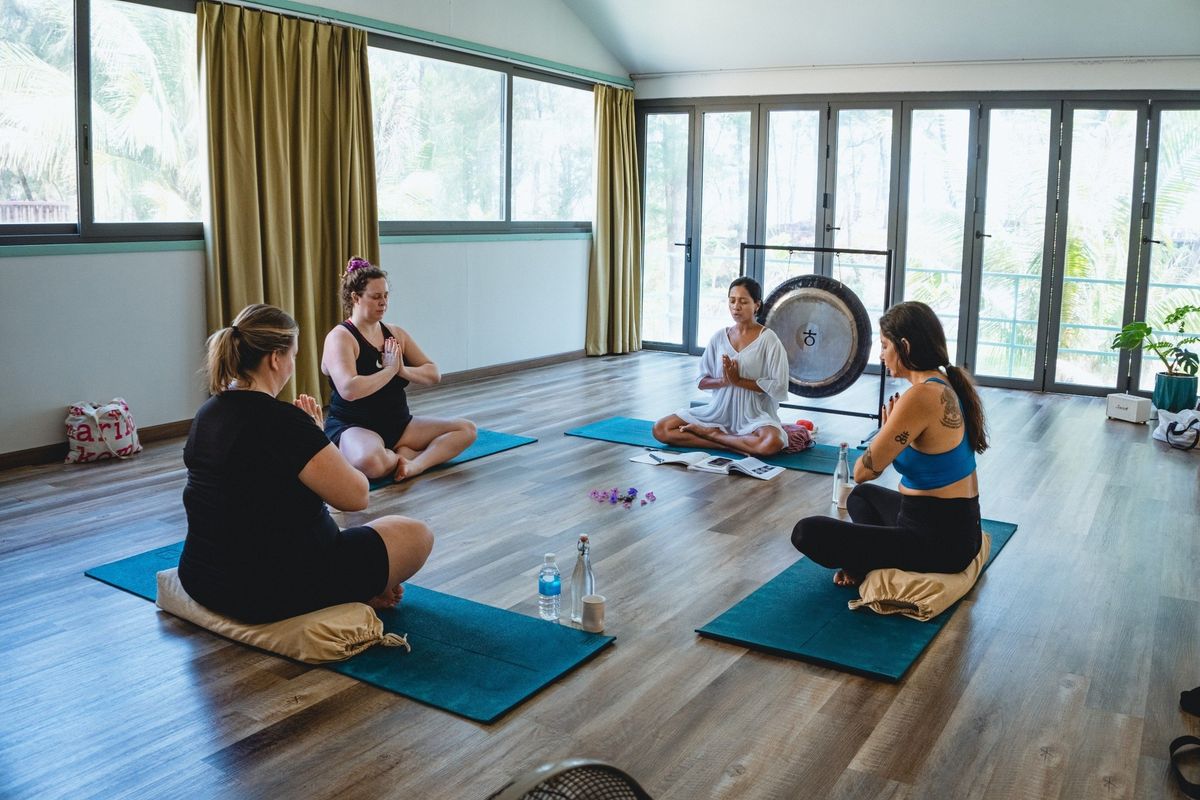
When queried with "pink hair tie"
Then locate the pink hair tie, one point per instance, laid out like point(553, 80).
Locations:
point(357, 264)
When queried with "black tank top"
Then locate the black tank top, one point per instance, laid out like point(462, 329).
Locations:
point(389, 403)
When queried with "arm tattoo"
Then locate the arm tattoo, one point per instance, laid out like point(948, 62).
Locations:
point(951, 413)
point(869, 463)
point(902, 437)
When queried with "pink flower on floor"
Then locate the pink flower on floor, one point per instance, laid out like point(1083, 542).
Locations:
point(626, 498)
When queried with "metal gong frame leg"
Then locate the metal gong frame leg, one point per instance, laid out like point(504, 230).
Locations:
point(887, 302)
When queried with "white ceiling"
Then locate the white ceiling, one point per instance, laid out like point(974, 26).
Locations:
point(654, 37)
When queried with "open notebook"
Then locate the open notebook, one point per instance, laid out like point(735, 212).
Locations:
point(707, 462)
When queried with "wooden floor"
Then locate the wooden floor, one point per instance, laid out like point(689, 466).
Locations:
point(1058, 678)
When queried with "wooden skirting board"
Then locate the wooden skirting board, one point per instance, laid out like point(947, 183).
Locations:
point(48, 454)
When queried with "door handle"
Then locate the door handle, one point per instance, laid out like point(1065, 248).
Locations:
point(687, 248)
point(829, 228)
point(1146, 240)
point(982, 235)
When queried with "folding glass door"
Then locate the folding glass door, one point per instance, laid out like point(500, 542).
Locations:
point(1025, 224)
point(939, 174)
point(1012, 240)
point(1171, 236)
point(861, 201)
point(1098, 243)
point(697, 212)
point(666, 242)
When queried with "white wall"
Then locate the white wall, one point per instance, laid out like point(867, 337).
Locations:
point(91, 327)
point(543, 28)
point(1105, 75)
point(94, 327)
point(477, 304)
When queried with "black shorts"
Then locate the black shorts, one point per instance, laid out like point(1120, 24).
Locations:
point(390, 432)
point(351, 568)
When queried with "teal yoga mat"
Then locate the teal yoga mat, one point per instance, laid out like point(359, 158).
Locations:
point(467, 658)
point(486, 443)
point(821, 458)
point(800, 613)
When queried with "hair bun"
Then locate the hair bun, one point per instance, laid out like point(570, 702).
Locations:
point(356, 263)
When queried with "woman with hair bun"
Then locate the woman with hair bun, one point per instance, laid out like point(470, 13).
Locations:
point(369, 363)
point(745, 366)
point(261, 545)
point(931, 434)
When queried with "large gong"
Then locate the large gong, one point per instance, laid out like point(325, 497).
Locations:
point(825, 329)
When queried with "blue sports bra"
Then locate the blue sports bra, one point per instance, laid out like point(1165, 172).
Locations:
point(934, 470)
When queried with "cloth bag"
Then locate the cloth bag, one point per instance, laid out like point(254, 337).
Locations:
point(1180, 429)
point(96, 431)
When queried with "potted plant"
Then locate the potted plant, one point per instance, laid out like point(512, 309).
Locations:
point(1175, 389)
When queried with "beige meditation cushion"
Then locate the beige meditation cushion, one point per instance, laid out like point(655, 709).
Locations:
point(919, 595)
point(330, 634)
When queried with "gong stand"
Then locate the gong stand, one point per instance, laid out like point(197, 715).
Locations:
point(846, 307)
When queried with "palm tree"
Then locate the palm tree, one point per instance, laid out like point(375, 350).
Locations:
point(144, 108)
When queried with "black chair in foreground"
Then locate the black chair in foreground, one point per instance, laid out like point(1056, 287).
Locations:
point(573, 779)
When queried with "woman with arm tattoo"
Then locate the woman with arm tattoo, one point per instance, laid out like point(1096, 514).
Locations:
point(931, 434)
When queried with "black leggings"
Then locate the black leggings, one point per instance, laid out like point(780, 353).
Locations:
point(916, 533)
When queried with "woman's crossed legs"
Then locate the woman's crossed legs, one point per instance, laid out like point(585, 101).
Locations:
point(408, 543)
point(426, 442)
point(678, 432)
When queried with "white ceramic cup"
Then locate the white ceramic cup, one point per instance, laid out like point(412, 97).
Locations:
point(593, 613)
point(843, 493)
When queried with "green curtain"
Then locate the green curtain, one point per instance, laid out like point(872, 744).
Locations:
point(614, 313)
point(291, 169)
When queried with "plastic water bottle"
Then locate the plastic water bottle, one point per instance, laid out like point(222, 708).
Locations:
point(549, 589)
point(583, 582)
point(841, 477)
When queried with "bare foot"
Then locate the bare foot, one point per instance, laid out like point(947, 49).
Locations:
point(843, 578)
point(401, 469)
point(699, 430)
point(389, 598)
point(406, 469)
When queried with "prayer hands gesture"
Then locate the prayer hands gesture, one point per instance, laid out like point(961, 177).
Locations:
point(732, 373)
point(309, 405)
point(391, 355)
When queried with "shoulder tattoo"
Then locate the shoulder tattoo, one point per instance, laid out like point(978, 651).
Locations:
point(902, 437)
point(869, 463)
point(951, 413)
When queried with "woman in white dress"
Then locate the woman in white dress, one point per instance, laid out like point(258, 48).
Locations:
point(746, 368)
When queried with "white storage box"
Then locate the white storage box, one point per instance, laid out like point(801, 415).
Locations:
point(1128, 407)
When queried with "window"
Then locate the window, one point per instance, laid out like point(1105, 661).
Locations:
point(101, 133)
point(145, 114)
point(124, 161)
point(38, 180)
point(552, 162)
point(467, 144)
point(439, 138)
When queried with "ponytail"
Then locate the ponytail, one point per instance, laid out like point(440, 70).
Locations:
point(964, 387)
point(236, 351)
